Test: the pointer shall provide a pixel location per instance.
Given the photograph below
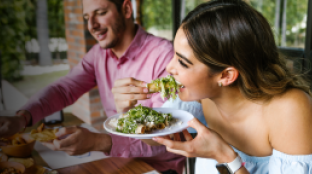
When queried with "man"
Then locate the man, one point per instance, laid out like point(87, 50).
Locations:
point(124, 51)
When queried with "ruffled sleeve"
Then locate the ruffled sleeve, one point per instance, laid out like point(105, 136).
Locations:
point(192, 107)
point(281, 163)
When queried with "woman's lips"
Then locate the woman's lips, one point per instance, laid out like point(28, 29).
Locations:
point(179, 84)
point(181, 89)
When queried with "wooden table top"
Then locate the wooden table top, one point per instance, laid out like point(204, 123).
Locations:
point(112, 165)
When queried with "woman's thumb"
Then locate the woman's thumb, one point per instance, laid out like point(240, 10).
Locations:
point(196, 124)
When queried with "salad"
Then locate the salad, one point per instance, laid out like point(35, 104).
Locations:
point(141, 119)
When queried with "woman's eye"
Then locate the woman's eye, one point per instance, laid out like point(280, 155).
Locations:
point(102, 13)
point(182, 63)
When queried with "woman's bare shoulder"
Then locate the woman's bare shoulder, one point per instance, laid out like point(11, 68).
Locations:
point(289, 119)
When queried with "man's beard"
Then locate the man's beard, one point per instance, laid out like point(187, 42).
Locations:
point(118, 29)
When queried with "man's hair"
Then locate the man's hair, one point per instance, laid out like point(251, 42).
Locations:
point(225, 33)
point(118, 4)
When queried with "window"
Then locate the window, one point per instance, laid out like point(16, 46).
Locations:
point(157, 17)
point(288, 19)
point(291, 22)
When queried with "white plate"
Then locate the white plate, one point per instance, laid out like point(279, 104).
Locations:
point(183, 116)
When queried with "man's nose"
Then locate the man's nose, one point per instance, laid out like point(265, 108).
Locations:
point(92, 24)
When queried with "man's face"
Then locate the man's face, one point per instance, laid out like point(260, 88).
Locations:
point(105, 23)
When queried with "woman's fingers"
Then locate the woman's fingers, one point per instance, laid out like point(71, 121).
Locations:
point(177, 145)
point(197, 125)
point(122, 97)
point(129, 82)
point(129, 90)
point(179, 152)
point(187, 135)
point(177, 137)
point(167, 137)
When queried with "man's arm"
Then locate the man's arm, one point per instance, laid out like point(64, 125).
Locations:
point(56, 96)
point(63, 92)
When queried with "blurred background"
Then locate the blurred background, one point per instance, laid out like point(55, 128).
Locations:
point(42, 39)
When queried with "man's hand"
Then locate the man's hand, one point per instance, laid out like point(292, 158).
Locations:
point(79, 140)
point(127, 92)
point(10, 125)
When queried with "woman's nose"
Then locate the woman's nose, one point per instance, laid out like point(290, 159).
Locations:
point(170, 68)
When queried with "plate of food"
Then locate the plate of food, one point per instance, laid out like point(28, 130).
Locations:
point(145, 123)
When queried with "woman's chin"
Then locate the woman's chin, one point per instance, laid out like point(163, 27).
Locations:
point(183, 95)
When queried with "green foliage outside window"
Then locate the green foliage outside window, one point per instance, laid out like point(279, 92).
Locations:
point(12, 34)
point(56, 18)
point(296, 11)
point(18, 25)
point(157, 13)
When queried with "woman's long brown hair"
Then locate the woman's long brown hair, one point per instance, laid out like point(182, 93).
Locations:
point(225, 33)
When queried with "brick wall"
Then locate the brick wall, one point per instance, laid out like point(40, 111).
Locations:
point(88, 107)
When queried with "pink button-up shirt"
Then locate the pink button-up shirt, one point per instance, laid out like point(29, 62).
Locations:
point(145, 59)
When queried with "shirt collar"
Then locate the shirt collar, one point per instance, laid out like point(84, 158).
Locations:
point(135, 45)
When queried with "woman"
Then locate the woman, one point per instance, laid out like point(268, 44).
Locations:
point(258, 112)
point(256, 109)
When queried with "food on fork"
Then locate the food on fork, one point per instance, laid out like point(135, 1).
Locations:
point(42, 134)
point(140, 120)
point(167, 86)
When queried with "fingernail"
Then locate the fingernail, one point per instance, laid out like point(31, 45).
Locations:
point(149, 95)
point(144, 84)
point(145, 90)
point(155, 139)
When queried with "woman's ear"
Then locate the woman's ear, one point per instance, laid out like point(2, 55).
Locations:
point(228, 76)
point(127, 9)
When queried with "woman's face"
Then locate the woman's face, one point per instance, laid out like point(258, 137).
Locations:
point(190, 72)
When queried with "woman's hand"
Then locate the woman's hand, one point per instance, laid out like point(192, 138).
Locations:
point(127, 92)
point(150, 142)
point(207, 144)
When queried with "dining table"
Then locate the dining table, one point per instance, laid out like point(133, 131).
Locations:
point(109, 165)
